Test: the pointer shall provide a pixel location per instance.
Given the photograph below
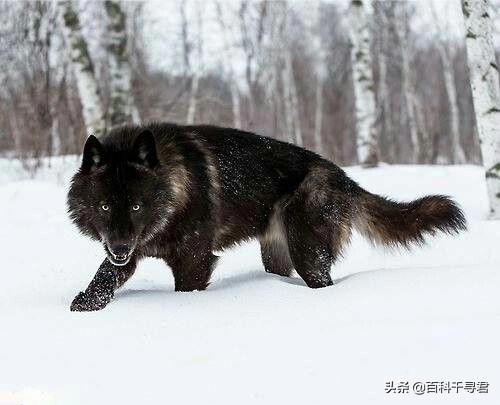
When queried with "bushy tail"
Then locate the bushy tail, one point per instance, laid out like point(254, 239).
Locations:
point(391, 223)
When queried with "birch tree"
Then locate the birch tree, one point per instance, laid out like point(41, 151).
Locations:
point(122, 109)
point(83, 69)
point(364, 95)
point(483, 71)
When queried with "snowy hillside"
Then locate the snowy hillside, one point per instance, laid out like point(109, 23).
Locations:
point(251, 338)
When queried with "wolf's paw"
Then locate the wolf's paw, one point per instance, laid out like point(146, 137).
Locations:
point(90, 302)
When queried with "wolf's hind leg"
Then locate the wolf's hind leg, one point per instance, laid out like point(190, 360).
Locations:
point(274, 246)
point(311, 257)
point(276, 257)
point(317, 226)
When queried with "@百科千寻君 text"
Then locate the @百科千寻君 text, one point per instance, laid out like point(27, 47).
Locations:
point(436, 387)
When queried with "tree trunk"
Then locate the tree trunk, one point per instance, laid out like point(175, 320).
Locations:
point(287, 104)
point(483, 71)
point(235, 95)
point(444, 49)
point(294, 100)
point(193, 94)
point(384, 99)
point(195, 76)
point(364, 96)
point(83, 68)
point(122, 109)
point(408, 87)
point(252, 47)
point(55, 140)
point(289, 85)
point(235, 98)
point(313, 25)
point(457, 152)
point(14, 130)
point(318, 116)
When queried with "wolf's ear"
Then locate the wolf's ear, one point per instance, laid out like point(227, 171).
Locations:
point(144, 149)
point(93, 154)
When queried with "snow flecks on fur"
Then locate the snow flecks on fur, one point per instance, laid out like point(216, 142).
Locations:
point(213, 184)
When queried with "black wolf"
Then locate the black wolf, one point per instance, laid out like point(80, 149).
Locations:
point(180, 193)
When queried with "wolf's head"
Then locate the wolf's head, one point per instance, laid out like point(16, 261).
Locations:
point(119, 196)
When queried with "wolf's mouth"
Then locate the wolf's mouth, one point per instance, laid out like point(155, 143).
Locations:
point(120, 259)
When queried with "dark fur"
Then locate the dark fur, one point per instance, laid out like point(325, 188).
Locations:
point(202, 189)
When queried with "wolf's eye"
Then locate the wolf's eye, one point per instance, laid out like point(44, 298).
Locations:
point(136, 207)
point(105, 207)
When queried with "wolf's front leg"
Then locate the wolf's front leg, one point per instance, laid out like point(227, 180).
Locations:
point(192, 269)
point(101, 289)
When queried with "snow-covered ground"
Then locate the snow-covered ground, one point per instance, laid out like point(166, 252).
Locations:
point(432, 315)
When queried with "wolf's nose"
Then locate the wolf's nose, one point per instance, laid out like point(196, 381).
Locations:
point(120, 252)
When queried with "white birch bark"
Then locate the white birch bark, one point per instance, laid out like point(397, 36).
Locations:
point(122, 109)
point(365, 109)
point(83, 69)
point(483, 71)
point(408, 87)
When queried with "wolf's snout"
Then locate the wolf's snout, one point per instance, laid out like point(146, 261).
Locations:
point(120, 252)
